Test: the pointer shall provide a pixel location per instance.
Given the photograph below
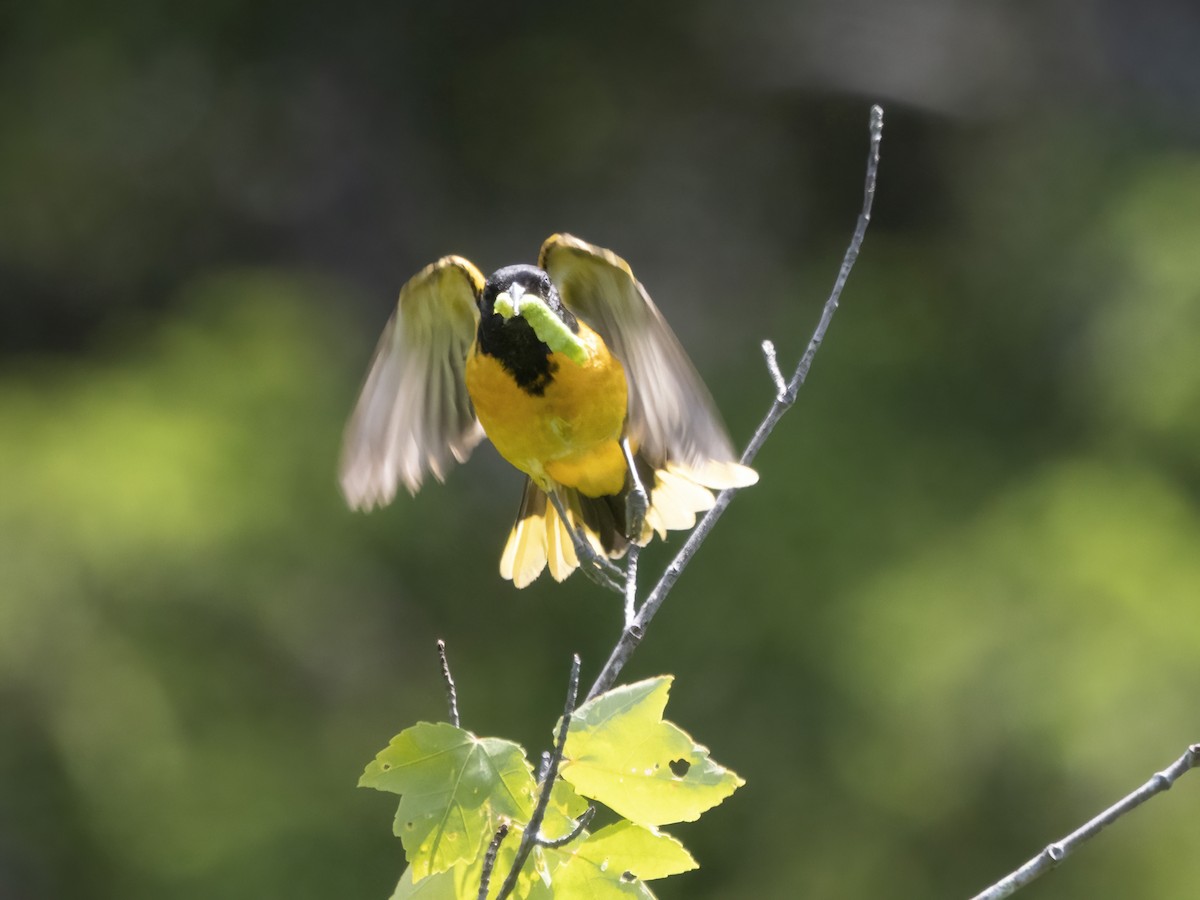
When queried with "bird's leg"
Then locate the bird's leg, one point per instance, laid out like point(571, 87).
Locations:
point(637, 501)
point(594, 565)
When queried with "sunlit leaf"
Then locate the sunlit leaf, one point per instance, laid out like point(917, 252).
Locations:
point(646, 852)
point(461, 881)
point(448, 885)
point(620, 751)
point(583, 878)
point(456, 790)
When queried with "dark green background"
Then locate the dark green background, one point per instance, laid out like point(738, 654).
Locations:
point(957, 617)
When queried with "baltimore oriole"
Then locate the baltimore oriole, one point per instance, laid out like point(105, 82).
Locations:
point(574, 375)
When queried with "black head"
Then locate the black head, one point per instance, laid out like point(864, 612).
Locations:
point(523, 279)
point(512, 341)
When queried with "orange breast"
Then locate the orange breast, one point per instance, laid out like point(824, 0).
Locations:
point(569, 434)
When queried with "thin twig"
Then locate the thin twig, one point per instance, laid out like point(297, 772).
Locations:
point(451, 693)
point(631, 572)
point(531, 835)
point(583, 823)
point(768, 348)
point(634, 631)
point(1055, 853)
point(489, 860)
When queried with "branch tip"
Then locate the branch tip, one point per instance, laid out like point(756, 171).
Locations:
point(768, 349)
point(451, 692)
point(634, 630)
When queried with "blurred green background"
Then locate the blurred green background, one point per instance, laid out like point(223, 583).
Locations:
point(958, 616)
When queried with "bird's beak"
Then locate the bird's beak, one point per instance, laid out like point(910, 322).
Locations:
point(508, 303)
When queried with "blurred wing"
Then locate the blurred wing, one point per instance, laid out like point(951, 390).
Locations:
point(414, 415)
point(672, 417)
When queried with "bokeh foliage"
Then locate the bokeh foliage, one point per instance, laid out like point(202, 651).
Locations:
point(958, 615)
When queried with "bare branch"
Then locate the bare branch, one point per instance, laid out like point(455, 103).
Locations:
point(634, 631)
point(489, 860)
point(451, 693)
point(1055, 853)
point(860, 231)
point(531, 835)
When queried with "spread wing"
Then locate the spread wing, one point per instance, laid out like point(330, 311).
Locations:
point(671, 418)
point(414, 415)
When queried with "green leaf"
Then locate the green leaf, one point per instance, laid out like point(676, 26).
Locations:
point(449, 885)
point(646, 852)
point(461, 882)
point(456, 791)
point(612, 863)
point(620, 752)
point(581, 876)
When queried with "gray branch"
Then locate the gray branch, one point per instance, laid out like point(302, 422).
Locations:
point(786, 396)
point(451, 692)
point(489, 860)
point(1055, 853)
point(532, 830)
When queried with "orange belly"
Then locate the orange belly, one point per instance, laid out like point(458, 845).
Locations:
point(571, 433)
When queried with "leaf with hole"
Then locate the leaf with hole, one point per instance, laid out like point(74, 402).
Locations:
point(615, 861)
point(622, 753)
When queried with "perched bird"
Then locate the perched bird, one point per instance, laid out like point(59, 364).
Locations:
point(573, 374)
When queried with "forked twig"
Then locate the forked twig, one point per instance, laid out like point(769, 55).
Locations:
point(1055, 853)
point(584, 821)
point(634, 630)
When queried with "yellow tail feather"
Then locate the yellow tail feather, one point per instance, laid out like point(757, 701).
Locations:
point(541, 539)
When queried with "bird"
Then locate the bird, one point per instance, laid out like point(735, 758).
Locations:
point(573, 374)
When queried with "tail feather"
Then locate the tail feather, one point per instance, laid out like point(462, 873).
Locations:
point(678, 493)
point(674, 502)
point(560, 548)
point(540, 539)
point(601, 519)
point(524, 555)
point(714, 474)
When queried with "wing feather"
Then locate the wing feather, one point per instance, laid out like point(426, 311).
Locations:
point(672, 417)
point(414, 415)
